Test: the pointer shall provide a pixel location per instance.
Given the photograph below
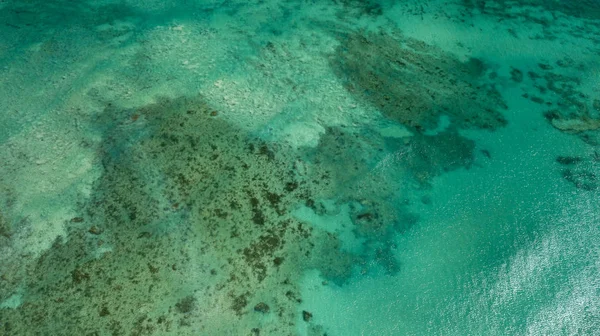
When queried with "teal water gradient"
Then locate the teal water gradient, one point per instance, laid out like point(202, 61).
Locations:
point(299, 167)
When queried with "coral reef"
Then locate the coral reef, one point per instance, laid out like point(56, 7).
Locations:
point(177, 175)
point(588, 9)
point(184, 198)
point(415, 83)
point(582, 172)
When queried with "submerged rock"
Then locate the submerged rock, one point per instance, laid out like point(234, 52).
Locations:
point(306, 316)
point(568, 160)
point(95, 230)
point(261, 308)
point(576, 125)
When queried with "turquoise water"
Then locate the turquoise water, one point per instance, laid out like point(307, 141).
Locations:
point(300, 167)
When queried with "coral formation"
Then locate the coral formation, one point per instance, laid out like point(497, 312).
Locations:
point(181, 175)
point(415, 83)
point(588, 9)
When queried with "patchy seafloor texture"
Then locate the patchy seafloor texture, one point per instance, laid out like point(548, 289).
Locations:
point(299, 167)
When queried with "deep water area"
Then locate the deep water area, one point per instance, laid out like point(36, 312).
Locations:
point(301, 167)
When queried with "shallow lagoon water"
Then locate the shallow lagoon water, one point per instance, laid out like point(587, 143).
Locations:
point(299, 168)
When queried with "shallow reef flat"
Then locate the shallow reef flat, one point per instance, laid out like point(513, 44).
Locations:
point(299, 168)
